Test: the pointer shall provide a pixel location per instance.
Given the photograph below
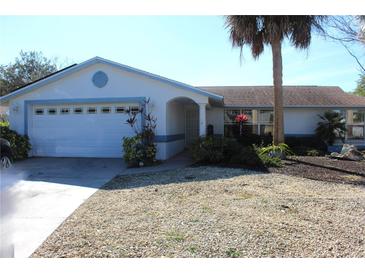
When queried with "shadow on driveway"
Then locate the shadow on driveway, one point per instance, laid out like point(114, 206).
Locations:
point(83, 172)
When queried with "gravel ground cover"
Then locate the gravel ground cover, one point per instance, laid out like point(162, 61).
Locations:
point(324, 169)
point(214, 212)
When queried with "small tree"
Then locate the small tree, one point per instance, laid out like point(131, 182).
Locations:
point(140, 149)
point(360, 88)
point(332, 126)
point(28, 67)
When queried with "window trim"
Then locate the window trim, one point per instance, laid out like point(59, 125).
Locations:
point(137, 109)
point(65, 113)
point(74, 110)
point(104, 108)
point(55, 111)
point(39, 109)
point(116, 109)
point(94, 112)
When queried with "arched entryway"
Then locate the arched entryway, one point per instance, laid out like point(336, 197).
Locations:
point(183, 125)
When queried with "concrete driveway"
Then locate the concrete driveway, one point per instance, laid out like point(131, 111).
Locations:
point(38, 194)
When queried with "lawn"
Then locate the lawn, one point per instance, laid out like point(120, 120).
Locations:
point(214, 212)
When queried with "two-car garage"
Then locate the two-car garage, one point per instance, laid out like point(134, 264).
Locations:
point(82, 130)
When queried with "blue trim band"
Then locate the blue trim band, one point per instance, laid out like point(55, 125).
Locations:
point(169, 138)
point(300, 135)
point(28, 103)
point(338, 148)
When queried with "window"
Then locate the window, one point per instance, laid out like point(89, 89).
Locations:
point(230, 114)
point(78, 110)
point(134, 110)
point(65, 111)
point(358, 117)
point(39, 111)
point(266, 116)
point(52, 111)
point(105, 109)
point(266, 120)
point(91, 110)
point(355, 124)
point(231, 127)
point(119, 109)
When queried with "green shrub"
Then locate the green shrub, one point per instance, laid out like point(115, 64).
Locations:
point(136, 153)
point(300, 145)
point(270, 161)
point(20, 145)
point(213, 150)
point(231, 149)
point(140, 150)
point(313, 152)
point(4, 123)
point(307, 151)
point(280, 150)
point(208, 150)
point(250, 139)
point(247, 156)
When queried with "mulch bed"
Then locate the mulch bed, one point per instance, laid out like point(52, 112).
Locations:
point(324, 169)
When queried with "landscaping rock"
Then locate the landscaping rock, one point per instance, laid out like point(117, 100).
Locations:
point(336, 155)
point(354, 155)
point(346, 148)
point(348, 152)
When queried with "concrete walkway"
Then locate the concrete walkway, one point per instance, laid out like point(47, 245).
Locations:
point(38, 194)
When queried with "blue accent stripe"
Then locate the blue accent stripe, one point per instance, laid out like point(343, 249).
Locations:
point(300, 135)
point(169, 138)
point(28, 103)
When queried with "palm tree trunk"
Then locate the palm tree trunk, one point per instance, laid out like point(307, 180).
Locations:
point(278, 134)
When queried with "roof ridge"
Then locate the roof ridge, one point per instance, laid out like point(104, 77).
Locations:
point(253, 86)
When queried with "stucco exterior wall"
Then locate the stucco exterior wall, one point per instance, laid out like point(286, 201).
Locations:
point(121, 84)
point(175, 118)
point(215, 117)
point(301, 121)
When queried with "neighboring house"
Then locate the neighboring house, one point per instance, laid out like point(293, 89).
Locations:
point(80, 110)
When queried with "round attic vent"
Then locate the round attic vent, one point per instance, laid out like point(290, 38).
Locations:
point(100, 79)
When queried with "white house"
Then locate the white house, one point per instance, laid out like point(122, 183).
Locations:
point(80, 110)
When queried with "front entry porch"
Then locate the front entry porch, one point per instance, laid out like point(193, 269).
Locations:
point(185, 123)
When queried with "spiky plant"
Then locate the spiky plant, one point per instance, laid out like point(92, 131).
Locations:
point(331, 126)
point(256, 31)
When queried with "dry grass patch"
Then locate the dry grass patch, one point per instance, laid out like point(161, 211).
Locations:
point(214, 212)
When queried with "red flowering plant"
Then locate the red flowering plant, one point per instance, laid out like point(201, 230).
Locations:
point(241, 118)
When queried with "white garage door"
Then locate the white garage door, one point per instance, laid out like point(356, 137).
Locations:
point(87, 130)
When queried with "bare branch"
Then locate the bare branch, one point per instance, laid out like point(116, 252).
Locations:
point(355, 57)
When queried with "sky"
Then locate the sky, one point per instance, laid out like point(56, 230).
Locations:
point(192, 49)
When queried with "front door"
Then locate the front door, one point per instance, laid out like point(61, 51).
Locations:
point(191, 124)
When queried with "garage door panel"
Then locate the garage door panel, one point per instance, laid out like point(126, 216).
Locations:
point(78, 135)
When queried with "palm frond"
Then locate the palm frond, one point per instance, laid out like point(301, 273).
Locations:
point(255, 31)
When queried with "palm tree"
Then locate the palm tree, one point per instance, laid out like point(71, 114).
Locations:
point(331, 126)
point(256, 31)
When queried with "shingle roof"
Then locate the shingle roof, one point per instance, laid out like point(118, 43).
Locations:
point(294, 96)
